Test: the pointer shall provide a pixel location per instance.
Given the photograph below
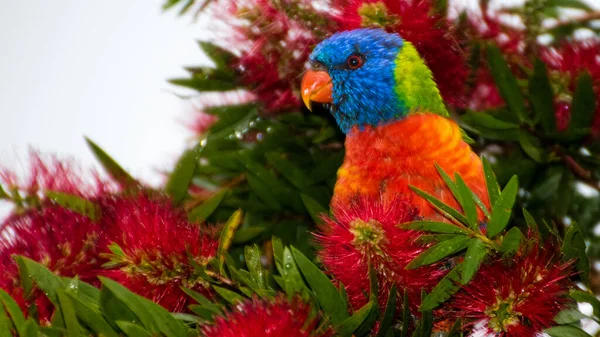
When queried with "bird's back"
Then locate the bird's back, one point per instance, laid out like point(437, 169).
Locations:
point(383, 161)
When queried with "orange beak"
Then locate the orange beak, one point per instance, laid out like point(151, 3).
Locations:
point(316, 87)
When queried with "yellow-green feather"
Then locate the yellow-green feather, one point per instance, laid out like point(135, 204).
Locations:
point(415, 85)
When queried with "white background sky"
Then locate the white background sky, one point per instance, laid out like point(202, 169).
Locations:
point(94, 68)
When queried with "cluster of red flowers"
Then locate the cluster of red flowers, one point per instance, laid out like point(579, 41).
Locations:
point(518, 298)
point(569, 61)
point(276, 318)
point(366, 233)
point(157, 246)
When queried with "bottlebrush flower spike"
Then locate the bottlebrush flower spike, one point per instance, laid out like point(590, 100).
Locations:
point(157, 249)
point(516, 299)
point(50, 173)
point(365, 233)
point(65, 242)
point(415, 22)
point(277, 318)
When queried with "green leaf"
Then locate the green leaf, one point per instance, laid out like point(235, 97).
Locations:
point(542, 98)
point(327, 295)
point(75, 204)
point(574, 248)
point(92, 318)
point(456, 329)
point(14, 311)
point(576, 4)
point(5, 323)
point(565, 191)
point(511, 241)
point(204, 210)
point(506, 82)
point(179, 180)
point(584, 103)
point(566, 331)
point(447, 287)
point(132, 302)
point(111, 167)
point(132, 329)
point(314, 208)
point(252, 256)
point(569, 316)
point(44, 278)
point(531, 223)
point(3, 194)
point(390, 312)
point(114, 309)
point(582, 296)
point(490, 181)
point(228, 295)
point(406, 315)
point(439, 251)
point(425, 325)
point(353, 322)
point(221, 57)
point(433, 227)
point(444, 209)
point(532, 147)
point(204, 84)
point(226, 237)
point(295, 175)
point(203, 301)
point(476, 252)
point(68, 314)
point(487, 121)
point(290, 273)
point(467, 202)
point(503, 208)
point(31, 329)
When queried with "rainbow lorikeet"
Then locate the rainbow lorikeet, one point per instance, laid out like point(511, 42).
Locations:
point(384, 98)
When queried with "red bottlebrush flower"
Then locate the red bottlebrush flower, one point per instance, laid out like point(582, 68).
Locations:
point(485, 94)
point(65, 242)
point(159, 249)
point(53, 174)
point(277, 318)
point(274, 41)
point(365, 233)
point(562, 114)
point(414, 21)
point(574, 58)
point(517, 298)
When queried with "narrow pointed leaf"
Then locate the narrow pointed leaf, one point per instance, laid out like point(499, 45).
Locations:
point(569, 316)
point(506, 82)
point(511, 241)
point(447, 287)
point(574, 248)
point(439, 251)
point(490, 181)
point(68, 313)
point(449, 182)
point(179, 180)
point(531, 223)
point(433, 227)
point(294, 174)
point(47, 281)
point(314, 208)
point(582, 296)
point(133, 330)
point(92, 318)
point(406, 315)
point(290, 273)
point(327, 295)
point(228, 295)
point(112, 168)
point(75, 204)
point(257, 273)
point(204, 210)
point(541, 97)
point(131, 301)
point(503, 208)
point(14, 312)
point(389, 314)
point(444, 209)
point(226, 237)
point(476, 252)
point(566, 331)
point(353, 322)
point(466, 201)
point(584, 103)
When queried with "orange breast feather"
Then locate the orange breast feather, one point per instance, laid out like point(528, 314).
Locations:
point(385, 160)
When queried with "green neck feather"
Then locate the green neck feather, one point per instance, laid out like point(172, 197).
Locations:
point(415, 86)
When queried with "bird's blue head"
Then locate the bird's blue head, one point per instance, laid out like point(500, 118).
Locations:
point(370, 77)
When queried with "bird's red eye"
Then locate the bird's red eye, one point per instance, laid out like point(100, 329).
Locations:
point(354, 62)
